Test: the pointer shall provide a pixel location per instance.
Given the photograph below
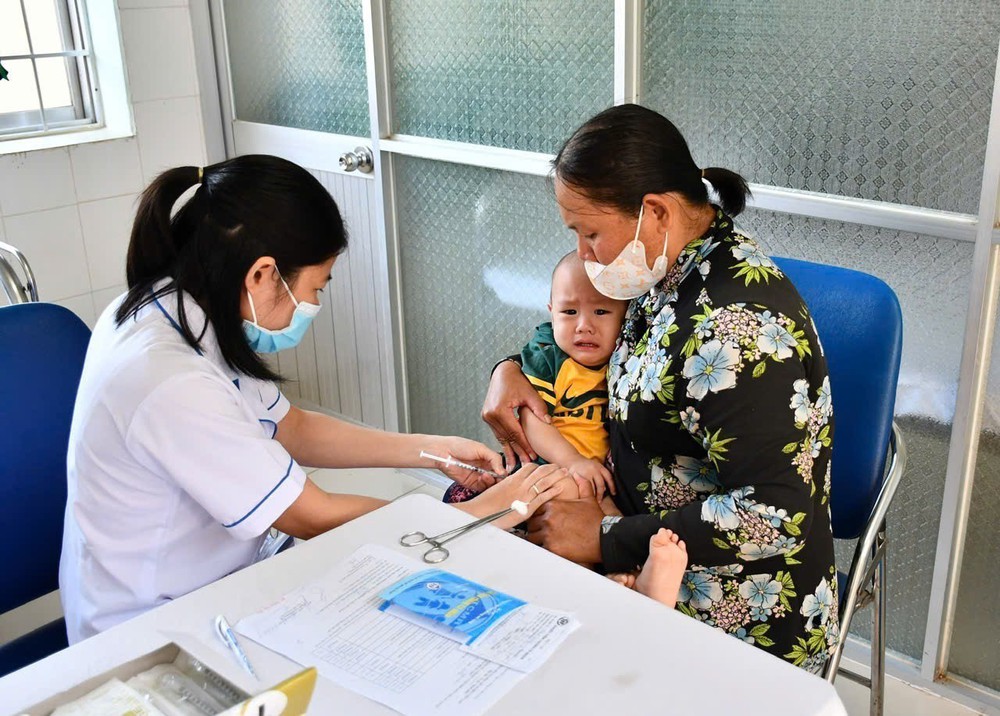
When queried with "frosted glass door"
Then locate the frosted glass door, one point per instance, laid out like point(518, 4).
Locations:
point(300, 64)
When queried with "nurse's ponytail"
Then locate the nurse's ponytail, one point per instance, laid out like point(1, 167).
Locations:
point(628, 151)
point(153, 247)
point(242, 209)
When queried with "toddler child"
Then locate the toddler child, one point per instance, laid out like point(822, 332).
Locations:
point(566, 361)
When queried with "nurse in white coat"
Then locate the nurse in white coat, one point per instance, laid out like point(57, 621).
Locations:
point(183, 452)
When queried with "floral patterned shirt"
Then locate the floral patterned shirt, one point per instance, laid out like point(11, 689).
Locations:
point(721, 426)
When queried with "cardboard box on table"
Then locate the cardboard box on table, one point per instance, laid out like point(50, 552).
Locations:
point(289, 698)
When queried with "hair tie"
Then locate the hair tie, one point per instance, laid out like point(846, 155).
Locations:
point(201, 174)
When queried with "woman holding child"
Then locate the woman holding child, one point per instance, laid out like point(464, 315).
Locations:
point(719, 415)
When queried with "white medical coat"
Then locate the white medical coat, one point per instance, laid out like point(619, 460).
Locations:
point(174, 475)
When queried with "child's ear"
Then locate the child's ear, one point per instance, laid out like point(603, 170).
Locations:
point(549, 307)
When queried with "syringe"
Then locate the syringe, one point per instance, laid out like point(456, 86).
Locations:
point(448, 461)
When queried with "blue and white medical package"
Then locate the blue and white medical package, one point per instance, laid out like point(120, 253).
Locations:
point(465, 608)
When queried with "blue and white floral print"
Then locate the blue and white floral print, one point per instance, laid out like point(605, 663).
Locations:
point(751, 253)
point(800, 400)
point(661, 326)
point(649, 383)
point(822, 627)
point(776, 340)
point(824, 403)
point(818, 604)
point(713, 369)
point(721, 511)
point(761, 593)
point(697, 474)
point(689, 419)
point(700, 589)
point(721, 426)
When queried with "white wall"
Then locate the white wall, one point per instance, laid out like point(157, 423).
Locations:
point(70, 210)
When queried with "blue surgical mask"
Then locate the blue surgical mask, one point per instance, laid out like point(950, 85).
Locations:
point(265, 340)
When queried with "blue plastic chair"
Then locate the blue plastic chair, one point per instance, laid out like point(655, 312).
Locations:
point(42, 347)
point(860, 324)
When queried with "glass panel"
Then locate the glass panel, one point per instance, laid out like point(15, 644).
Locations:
point(54, 79)
point(48, 25)
point(19, 91)
point(13, 38)
point(478, 247)
point(931, 278)
point(519, 74)
point(299, 63)
point(880, 101)
point(975, 649)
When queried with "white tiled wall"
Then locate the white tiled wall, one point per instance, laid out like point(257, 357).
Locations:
point(70, 210)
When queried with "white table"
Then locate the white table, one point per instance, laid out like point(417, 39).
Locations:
point(631, 655)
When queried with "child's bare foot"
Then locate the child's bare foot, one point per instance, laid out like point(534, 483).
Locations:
point(626, 579)
point(661, 575)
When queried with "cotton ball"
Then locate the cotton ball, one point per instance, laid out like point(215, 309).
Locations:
point(519, 507)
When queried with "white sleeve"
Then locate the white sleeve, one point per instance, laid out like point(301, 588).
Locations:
point(194, 431)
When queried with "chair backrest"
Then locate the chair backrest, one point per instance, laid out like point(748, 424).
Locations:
point(42, 347)
point(861, 327)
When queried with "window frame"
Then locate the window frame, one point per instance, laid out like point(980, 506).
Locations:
point(100, 109)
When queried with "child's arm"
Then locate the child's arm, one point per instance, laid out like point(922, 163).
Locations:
point(551, 446)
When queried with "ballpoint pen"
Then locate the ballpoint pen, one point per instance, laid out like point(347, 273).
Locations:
point(225, 632)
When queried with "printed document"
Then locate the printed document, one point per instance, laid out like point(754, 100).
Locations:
point(335, 624)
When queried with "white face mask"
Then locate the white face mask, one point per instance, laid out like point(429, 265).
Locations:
point(628, 276)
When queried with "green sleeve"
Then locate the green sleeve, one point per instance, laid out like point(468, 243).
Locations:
point(540, 362)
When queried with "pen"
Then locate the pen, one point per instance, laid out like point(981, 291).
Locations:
point(452, 461)
point(225, 632)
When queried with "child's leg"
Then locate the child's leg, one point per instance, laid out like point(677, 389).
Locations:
point(661, 575)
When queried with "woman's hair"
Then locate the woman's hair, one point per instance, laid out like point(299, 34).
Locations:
point(244, 208)
point(628, 151)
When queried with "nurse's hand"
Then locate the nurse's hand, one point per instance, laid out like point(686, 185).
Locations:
point(510, 391)
point(467, 451)
point(532, 485)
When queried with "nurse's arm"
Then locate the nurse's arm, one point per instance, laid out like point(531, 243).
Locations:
point(315, 511)
point(318, 440)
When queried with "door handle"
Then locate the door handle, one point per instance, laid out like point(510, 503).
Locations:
point(359, 160)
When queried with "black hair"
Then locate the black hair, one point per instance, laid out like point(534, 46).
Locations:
point(244, 208)
point(628, 151)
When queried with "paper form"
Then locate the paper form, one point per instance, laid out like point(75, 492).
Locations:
point(525, 638)
point(335, 625)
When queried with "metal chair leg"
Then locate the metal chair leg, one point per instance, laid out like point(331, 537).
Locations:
point(878, 635)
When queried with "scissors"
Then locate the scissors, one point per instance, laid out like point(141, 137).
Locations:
point(437, 553)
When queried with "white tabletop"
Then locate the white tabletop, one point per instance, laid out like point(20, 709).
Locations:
point(631, 655)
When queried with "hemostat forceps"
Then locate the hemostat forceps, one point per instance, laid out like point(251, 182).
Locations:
point(437, 552)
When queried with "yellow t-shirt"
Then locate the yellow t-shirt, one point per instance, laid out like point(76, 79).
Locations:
point(577, 395)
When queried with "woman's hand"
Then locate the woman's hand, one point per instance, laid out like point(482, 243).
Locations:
point(467, 451)
point(509, 390)
point(532, 485)
point(570, 528)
